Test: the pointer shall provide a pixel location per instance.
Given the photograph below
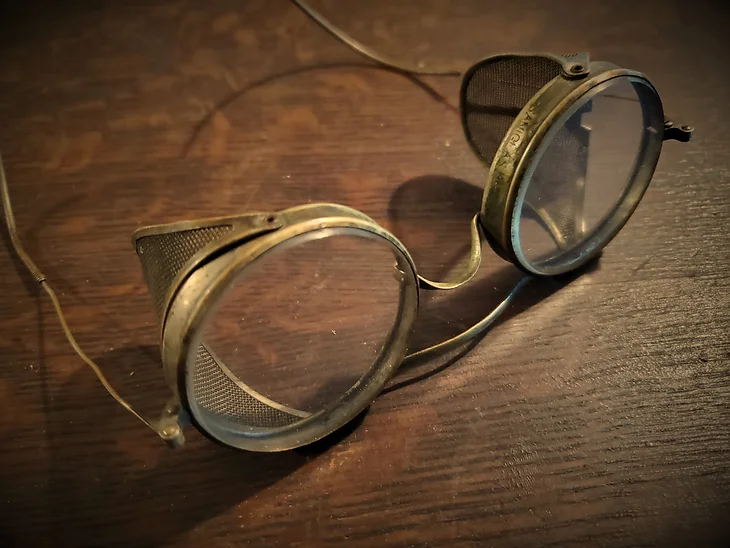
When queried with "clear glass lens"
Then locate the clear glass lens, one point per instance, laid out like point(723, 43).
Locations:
point(587, 175)
point(306, 320)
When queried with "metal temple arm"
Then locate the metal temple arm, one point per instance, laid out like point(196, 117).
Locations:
point(168, 430)
point(475, 330)
point(364, 50)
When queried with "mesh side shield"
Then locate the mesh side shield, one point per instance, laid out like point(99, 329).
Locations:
point(162, 256)
point(219, 394)
point(495, 92)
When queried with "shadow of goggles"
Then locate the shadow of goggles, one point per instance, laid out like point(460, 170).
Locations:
point(571, 145)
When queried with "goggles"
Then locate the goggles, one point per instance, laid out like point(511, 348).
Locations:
point(264, 343)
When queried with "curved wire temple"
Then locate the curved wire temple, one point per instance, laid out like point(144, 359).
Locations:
point(168, 430)
point(367, 52)
point(474, 331)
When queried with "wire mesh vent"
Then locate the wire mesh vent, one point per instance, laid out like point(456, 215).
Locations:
point(162, 256)
point(495, 93)
point(219, 394)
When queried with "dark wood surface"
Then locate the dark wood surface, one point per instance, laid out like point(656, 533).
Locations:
point(597, 413)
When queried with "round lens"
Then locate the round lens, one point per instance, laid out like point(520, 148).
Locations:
point(297, 329)
point(587, 176)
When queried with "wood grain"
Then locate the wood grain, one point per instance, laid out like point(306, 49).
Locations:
point(597, 413)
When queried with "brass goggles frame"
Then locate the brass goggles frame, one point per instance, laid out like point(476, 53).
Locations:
point(189, 266)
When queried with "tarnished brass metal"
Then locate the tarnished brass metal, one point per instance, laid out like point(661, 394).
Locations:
point(472, 264)
point(673, 132)
point(511, 105)
point(521, 142)
point(205, 278)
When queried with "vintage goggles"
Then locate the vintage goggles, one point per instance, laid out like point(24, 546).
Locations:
point(278, 328)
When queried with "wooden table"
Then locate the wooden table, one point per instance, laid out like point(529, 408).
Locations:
point(597, 413)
